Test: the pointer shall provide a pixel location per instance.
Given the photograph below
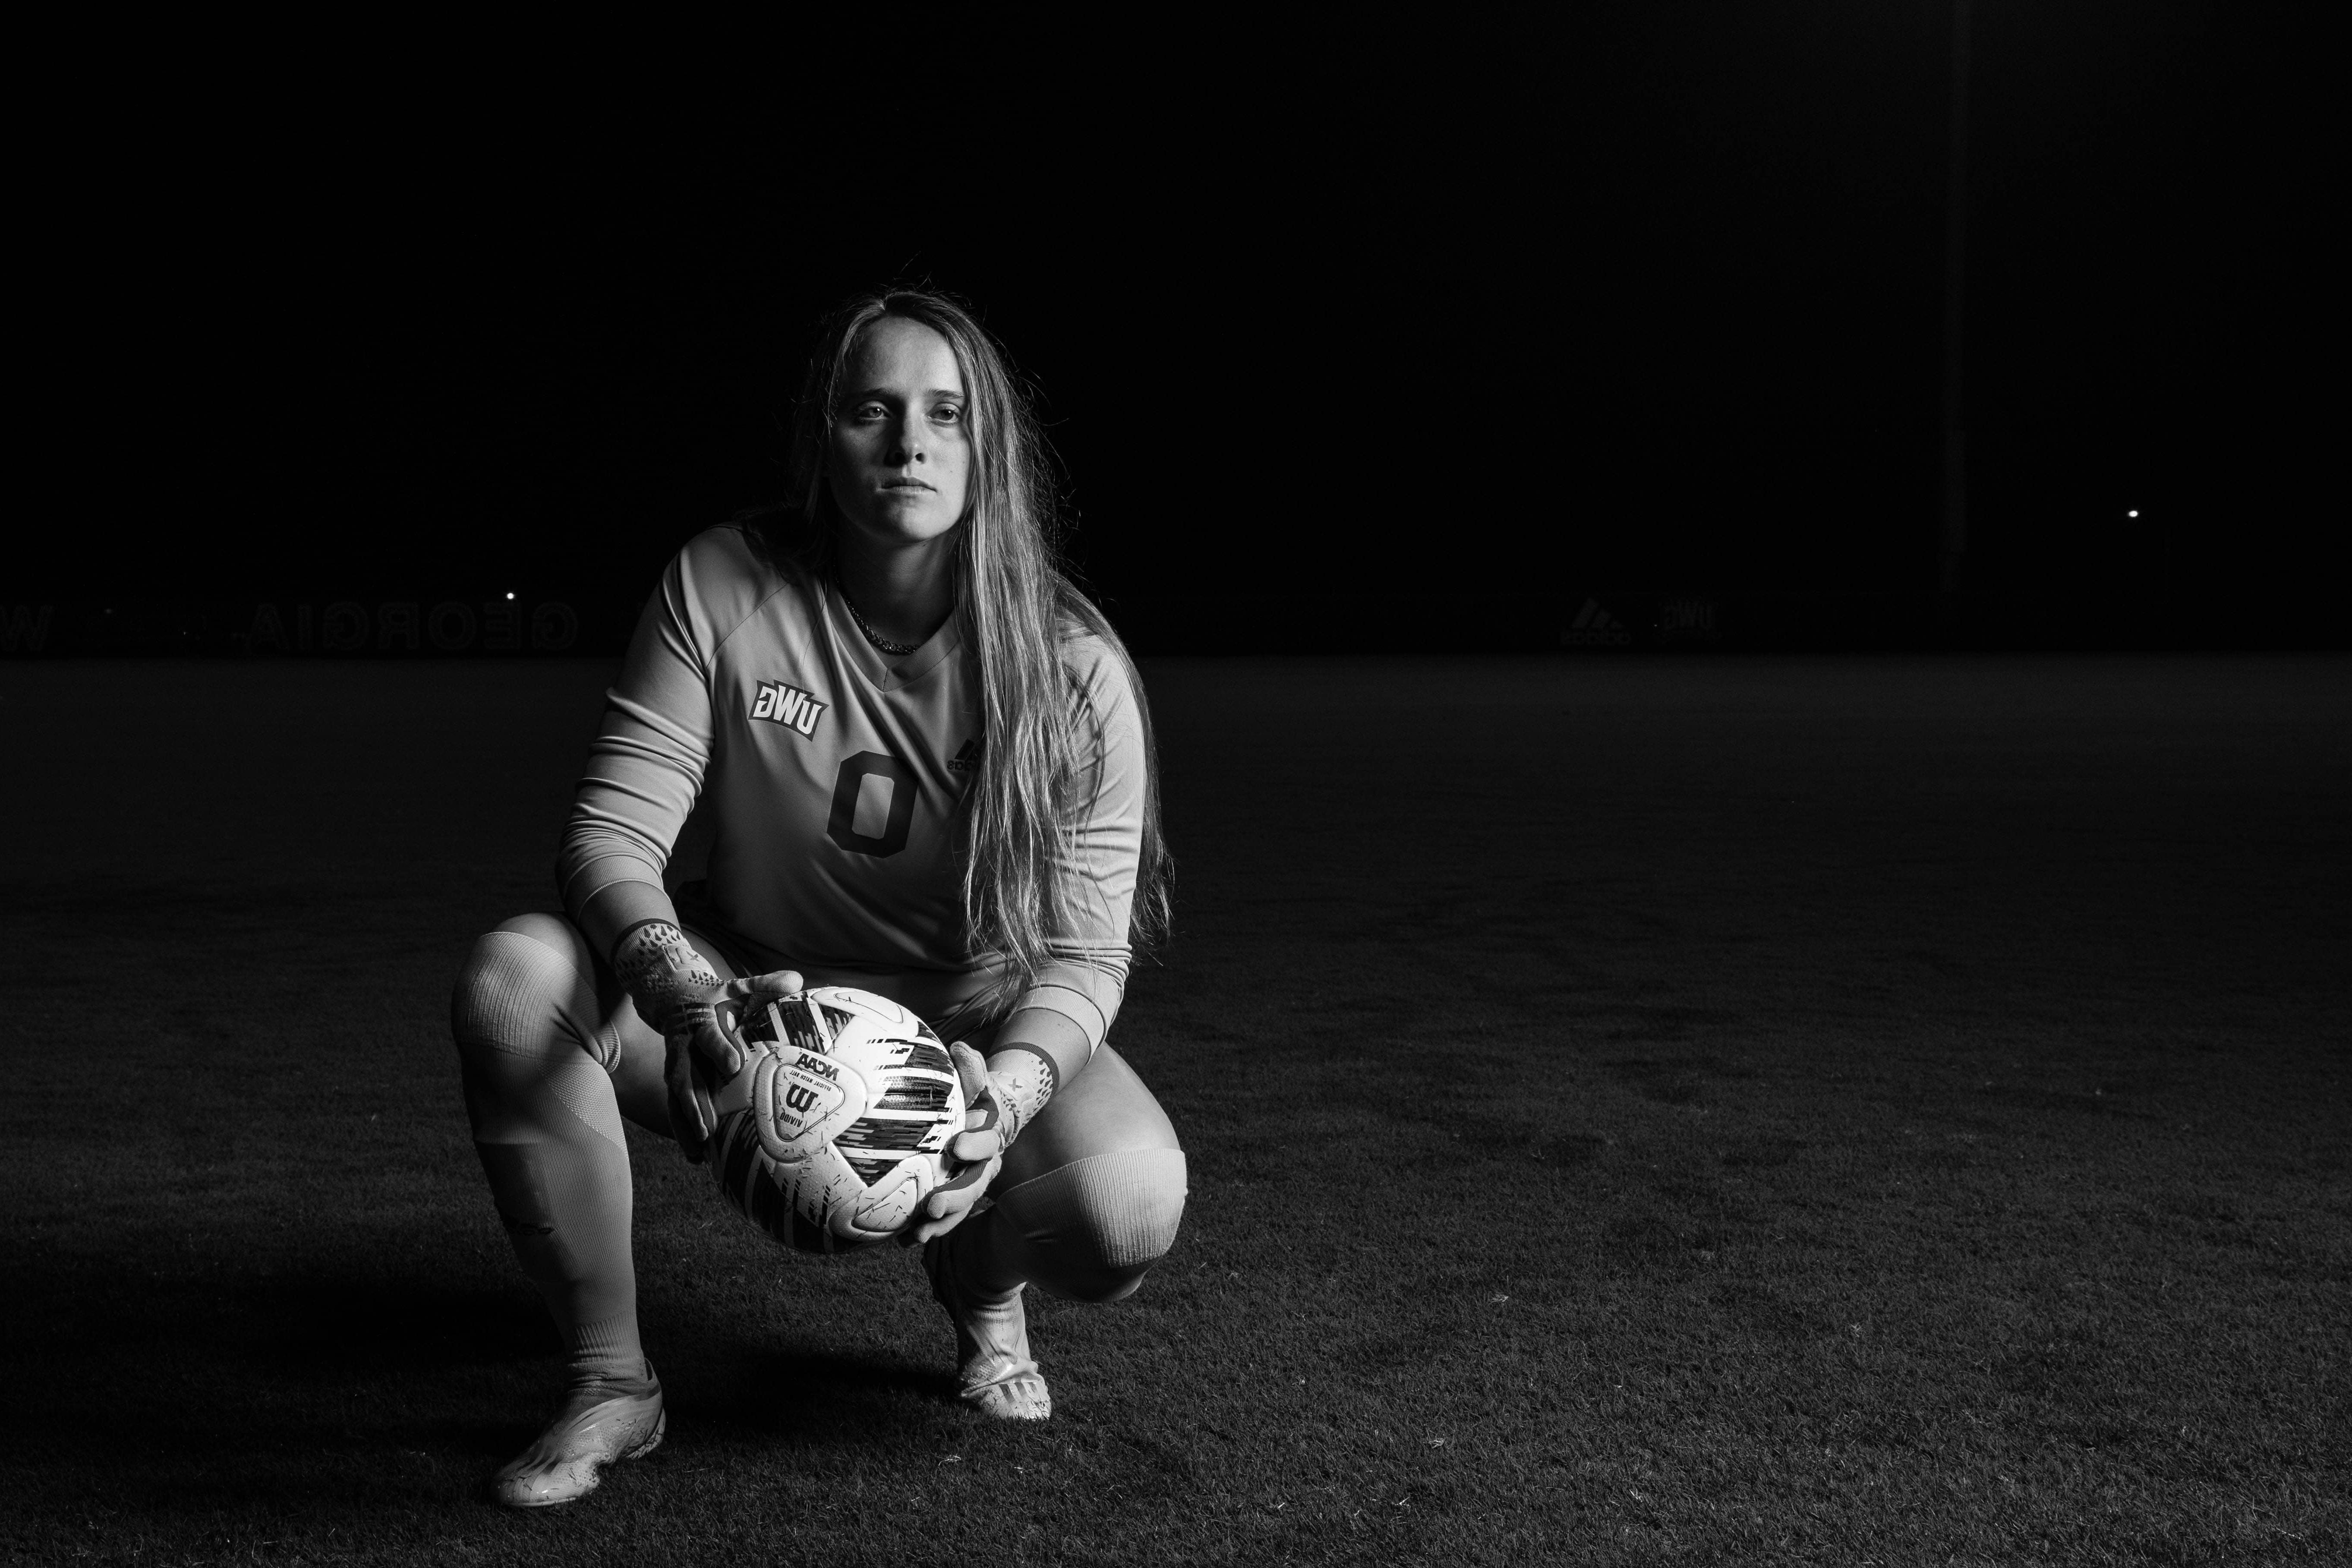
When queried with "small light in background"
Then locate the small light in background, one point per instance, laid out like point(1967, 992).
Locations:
point(510, 595)
point(2133, 512)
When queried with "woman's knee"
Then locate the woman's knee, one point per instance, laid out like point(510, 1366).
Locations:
point(523, 1017)
point(1093, 1228)
point(1106, 1110)
point(517, 981)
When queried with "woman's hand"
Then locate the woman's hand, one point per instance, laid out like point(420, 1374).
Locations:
point(1002, 1096)
point(704, 1052)
point(981, 1147)
point(677, 991)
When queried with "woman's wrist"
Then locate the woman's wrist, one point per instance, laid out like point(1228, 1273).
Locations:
point(662, 970)
point(1033, 1058)
point(613, 911)
point(1022, 1078)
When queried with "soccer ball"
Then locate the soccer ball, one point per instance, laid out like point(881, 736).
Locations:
point(838, 1125)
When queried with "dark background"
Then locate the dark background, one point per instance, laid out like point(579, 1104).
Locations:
point(1426, 319)
point(1805, 1105)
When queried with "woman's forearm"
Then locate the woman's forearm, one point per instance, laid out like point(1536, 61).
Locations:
point(1046, 1034)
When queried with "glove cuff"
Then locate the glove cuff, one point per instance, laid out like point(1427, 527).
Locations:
point(1022, 1080)
point(662, 971)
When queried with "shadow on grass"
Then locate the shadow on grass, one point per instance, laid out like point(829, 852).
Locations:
point(1686, 1080)
point(356, 1326)
point(191, 1359)
point(822, 1397)
point(1761, 1154)
point(215, 1389)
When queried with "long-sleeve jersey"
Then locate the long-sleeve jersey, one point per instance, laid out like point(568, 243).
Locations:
point(833, 776)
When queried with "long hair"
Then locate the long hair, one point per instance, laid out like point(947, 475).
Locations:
point(1039, 731)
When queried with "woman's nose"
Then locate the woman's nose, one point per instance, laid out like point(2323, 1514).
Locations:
point(905, 444)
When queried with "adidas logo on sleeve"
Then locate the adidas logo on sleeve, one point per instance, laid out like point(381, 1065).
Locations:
point(789, 706)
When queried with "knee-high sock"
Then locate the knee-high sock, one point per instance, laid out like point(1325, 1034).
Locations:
point(548, 1133)
point(1088, 1231)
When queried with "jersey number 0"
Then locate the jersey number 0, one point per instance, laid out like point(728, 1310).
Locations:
point(873, 802)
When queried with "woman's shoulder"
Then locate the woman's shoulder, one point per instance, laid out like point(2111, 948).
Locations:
point(1096, 663)
point(747, 553)
point(743, 547)
point(1087, 642)
point(722, 576)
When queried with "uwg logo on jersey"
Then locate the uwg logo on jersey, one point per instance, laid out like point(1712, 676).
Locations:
point(788, 705)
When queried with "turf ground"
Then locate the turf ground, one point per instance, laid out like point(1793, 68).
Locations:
point(1847, 1112)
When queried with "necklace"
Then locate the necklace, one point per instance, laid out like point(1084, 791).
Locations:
point(895, 650)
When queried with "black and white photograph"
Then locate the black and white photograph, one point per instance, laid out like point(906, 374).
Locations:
point(1487, 786)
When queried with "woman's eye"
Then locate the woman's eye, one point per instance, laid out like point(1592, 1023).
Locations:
point(947, 414)
point(869, 410)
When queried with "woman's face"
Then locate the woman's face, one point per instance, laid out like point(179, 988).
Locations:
point(900, 457)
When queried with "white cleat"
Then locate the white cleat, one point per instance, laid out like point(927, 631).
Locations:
point(595, 1427)
point(993, 1360)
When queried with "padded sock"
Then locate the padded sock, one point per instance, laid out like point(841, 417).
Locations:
point(548, 1130)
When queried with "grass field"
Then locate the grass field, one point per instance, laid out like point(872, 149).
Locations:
point(1759, 1112)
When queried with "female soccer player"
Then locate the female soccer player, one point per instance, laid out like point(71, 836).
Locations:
point(930, 770)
